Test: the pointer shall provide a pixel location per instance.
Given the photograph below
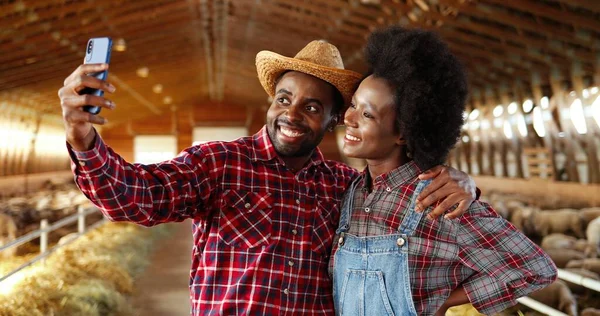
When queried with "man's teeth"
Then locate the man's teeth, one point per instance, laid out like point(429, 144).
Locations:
point(352, 138)
point(290, 133)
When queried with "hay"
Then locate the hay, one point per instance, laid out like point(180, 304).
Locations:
point(463, 310)
point(91, 276)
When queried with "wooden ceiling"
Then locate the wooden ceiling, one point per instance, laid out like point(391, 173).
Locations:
point(203, 50)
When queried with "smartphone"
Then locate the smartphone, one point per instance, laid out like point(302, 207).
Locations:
point(97, 52)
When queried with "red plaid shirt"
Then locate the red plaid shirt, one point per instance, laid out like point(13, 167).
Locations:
point(494, 262)
point(262, 234)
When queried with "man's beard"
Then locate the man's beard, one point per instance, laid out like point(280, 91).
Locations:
point(305, 149)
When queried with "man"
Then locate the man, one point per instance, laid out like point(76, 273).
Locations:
point(264, 208)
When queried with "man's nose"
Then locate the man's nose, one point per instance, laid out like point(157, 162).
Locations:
point(293, 113)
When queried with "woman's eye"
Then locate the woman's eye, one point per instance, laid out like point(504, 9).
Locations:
point(367, 115)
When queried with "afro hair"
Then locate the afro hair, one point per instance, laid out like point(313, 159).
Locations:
point(430, 89)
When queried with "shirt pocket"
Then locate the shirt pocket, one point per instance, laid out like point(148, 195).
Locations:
point(245, 218)
point(326, 218)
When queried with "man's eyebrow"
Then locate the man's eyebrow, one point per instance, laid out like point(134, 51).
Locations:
point(284, 91)
point(313, 100)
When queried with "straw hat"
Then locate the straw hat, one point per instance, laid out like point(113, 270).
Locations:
point(318, 58)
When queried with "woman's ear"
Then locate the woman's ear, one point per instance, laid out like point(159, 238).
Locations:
point(400, 140)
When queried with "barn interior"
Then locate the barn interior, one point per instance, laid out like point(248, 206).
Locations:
point(184, 72)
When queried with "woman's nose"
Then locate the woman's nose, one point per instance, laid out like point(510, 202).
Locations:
point(349, 117)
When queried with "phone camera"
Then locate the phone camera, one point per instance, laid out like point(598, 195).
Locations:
point(90, 46)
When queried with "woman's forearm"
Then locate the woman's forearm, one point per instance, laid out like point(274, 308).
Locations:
point(457, 297)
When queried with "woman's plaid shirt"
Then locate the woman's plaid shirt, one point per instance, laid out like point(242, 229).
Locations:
point(494, 262)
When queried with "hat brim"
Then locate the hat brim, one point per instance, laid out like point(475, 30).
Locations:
point(270, 66)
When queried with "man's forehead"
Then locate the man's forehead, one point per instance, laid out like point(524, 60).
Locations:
point(292, 81)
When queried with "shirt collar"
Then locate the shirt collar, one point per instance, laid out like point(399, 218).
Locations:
point(263, 149)
point(394, 178)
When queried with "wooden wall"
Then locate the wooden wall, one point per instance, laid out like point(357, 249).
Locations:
point(30, 141)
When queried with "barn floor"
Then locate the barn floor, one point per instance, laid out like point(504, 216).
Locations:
point(162, 290)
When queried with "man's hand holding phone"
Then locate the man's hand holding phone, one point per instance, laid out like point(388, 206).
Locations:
point(78, 123)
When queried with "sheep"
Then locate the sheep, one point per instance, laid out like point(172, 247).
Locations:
point(558, 241)
point(583, 272)
point(561, 241)
point(590, 312)
point(563, 256)
point(593, 232)
point(589, 214)
point(590, 250)
point(543, 223)
point(558, 296)
point(8, 233)
point(591, 264)
point(520, 216)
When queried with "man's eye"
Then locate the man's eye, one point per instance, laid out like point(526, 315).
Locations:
point(283, 101)
point(312, 109)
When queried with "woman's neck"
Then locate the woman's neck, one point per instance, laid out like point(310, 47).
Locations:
point(383, 166)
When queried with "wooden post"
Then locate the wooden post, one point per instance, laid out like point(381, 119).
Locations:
point(492, 142)
point(549, 127)
point(478, 143)
point(506, 143)
point(590, 147)
point(517, 143)
point(32, 154)
point(559, 99)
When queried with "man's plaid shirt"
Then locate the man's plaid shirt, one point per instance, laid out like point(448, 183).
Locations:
point(262, 234)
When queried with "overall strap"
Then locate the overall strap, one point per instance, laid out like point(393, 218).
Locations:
point(412, 217)
point(347, 205)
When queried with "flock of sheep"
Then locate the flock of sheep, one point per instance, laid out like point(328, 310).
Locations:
point(571, 237)
point(21, 215)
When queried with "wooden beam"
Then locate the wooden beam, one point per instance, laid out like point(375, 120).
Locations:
point(539, 9)
point(590, 5)
point(487, 12)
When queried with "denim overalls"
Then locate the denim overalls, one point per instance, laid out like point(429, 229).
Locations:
point(370, 274)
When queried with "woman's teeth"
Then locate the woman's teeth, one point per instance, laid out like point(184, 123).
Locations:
point(290, 132)
point(352, 138)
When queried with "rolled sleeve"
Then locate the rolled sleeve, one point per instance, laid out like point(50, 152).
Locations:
point(488, 295)
point(90, 161)
point(508, 265)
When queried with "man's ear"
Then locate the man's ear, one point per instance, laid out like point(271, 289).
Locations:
point(333, 123)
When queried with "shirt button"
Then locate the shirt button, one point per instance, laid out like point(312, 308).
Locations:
point(247, 205)
point(286, 291)
point(388, 189)
point(400, 242)
point(291, 263)
point(367, 210)
point(297, 201)
point(81, 163)
point(295, 232)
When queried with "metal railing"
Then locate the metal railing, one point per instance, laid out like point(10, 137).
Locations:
point(567, 276)
point(43, 232)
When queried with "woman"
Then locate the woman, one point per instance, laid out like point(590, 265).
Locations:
point(405, 117)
